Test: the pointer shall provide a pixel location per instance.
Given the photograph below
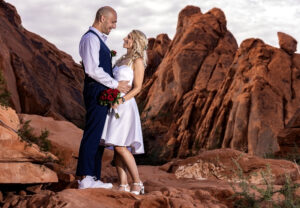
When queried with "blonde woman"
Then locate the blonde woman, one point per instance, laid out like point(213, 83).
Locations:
point(125, 133)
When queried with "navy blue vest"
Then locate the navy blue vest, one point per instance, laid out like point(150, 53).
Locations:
point(104, 60)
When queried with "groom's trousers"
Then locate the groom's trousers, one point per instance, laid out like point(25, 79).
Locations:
point(90, 153)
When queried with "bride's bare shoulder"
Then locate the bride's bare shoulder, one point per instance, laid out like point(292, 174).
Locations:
point(138, 62)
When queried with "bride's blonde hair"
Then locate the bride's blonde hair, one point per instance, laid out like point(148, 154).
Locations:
point(139, 47)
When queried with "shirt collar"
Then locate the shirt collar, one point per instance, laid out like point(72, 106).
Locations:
point(101, 35)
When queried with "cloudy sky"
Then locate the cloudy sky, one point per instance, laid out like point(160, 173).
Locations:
point(62, 22)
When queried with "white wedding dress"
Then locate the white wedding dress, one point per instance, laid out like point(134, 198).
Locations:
point(126, 130)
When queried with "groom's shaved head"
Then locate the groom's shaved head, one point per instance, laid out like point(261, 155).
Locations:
point(104, 11)
point(105, 20)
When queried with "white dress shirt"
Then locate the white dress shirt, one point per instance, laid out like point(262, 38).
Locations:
point(89, 48)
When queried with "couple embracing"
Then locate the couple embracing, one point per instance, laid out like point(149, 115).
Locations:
point(102, 128)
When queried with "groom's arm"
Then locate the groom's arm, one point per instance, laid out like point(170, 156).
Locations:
point(89, 51)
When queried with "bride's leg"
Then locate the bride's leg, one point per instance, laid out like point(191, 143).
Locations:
point(121, 170)
point(129, 160)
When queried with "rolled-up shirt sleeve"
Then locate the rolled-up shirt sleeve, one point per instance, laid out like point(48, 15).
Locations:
point(89, 51)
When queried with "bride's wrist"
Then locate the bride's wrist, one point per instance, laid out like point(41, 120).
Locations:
point(123, 99)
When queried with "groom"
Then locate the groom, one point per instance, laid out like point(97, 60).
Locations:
point(96, 58)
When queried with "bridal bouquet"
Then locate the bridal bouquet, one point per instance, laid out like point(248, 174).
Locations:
point(110, 97)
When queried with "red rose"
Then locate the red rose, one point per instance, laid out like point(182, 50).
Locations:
point(102, 97)
point(116, 92)
point(109, 91)
point(110, 98)
point(113, 53)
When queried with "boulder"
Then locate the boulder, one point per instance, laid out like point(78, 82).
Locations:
point(233, 166)
point(287, 42)
point(20, 161)
point(289, 139)
point(65, 139)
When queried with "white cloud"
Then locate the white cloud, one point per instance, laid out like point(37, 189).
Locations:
point(63, 22)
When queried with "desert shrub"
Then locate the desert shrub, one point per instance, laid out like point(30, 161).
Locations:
point(4, 94)
point(26, 134)
point(245, 196)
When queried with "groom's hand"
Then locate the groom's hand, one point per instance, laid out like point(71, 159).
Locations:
point(124, 86)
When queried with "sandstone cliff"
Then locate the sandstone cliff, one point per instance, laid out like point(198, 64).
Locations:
point(186, 81)
point(209, 94)
point(20, 161)
point(41, 79)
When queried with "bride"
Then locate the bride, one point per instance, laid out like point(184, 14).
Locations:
point(125, 133)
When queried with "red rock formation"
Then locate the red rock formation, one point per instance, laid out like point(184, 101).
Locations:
point(207, 95)
point(42, 79)
point(255, 101)
point(226, 164)
point(186, 81)
point(65, 140)
point(18, 158)
point(64, 136)
point(157, 48)
point(176, 188)
point(287, 42)
point(289, 138)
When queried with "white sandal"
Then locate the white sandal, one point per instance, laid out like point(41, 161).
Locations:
point(141, 191)
point(126, 187)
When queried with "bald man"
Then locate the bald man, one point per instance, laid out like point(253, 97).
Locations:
point(96, 59)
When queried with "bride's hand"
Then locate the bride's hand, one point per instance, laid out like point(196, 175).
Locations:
point(114, 106)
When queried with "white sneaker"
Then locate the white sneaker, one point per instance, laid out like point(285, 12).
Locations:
point(87, 182)
point(100, 184)
point(91, 182)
